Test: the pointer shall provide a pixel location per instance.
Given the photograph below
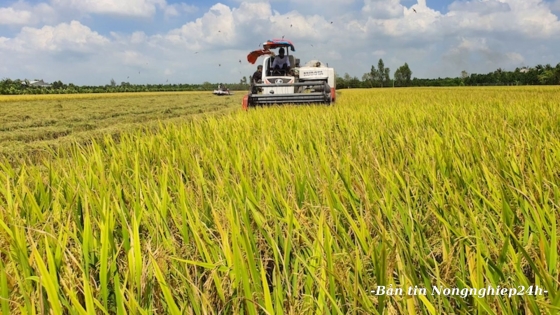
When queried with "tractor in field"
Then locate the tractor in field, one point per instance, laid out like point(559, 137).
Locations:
point(312, 83)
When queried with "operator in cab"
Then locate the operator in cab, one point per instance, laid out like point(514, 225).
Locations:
point(281, 62)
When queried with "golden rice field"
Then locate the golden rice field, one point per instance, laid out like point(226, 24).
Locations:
point(29, 124)
point(298, 210)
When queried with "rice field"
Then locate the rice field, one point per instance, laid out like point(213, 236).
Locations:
point(31, 124)
point(392, 201)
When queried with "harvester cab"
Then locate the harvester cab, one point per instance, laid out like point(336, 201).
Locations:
point(314, 83)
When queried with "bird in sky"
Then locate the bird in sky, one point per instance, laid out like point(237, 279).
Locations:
point(414, 10)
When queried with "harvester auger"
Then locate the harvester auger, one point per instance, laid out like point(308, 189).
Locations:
point(314, 83)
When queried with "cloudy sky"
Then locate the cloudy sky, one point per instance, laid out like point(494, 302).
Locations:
point(89, 42)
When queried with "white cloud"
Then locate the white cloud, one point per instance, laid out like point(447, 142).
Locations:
point(480, 7)
point(24, 14)
point(9, 16)
point(223, 27)
point(477, 36)
point(330, 9)
point(529, 18)
point(130, 57)
point(383, 9)
point(178, 9)
point(138, 37)
point(478, 55)
point(140, 8)
point(71, 36)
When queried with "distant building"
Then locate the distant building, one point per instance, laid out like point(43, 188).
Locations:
point(524, 70)
point(38, 83)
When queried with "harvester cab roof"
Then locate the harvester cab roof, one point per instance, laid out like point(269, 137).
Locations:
point(267, 49)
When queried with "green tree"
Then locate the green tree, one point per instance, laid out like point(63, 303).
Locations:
point(387, 77)
point(354, 82)
point(367, 80)
point(340, 82)
point(547, 77)
point(399, 77)
point(407, 74)
point(403, 76)
point(374, 76)
point(381, 72)
point(57, 85)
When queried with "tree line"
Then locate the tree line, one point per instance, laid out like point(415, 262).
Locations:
point(402, 77)
point(377, 77)
point(21, 87)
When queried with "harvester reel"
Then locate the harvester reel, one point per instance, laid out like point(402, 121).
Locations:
point(319, 93)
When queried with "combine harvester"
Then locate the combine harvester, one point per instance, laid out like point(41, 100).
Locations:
point(222, 90)
point(314, 83)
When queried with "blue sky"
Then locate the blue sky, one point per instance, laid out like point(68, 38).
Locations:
point(154, 41)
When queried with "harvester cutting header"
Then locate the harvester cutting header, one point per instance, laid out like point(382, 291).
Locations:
point(284, 81)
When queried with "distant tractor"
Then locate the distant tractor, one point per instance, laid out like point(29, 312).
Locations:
point(313, 83)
